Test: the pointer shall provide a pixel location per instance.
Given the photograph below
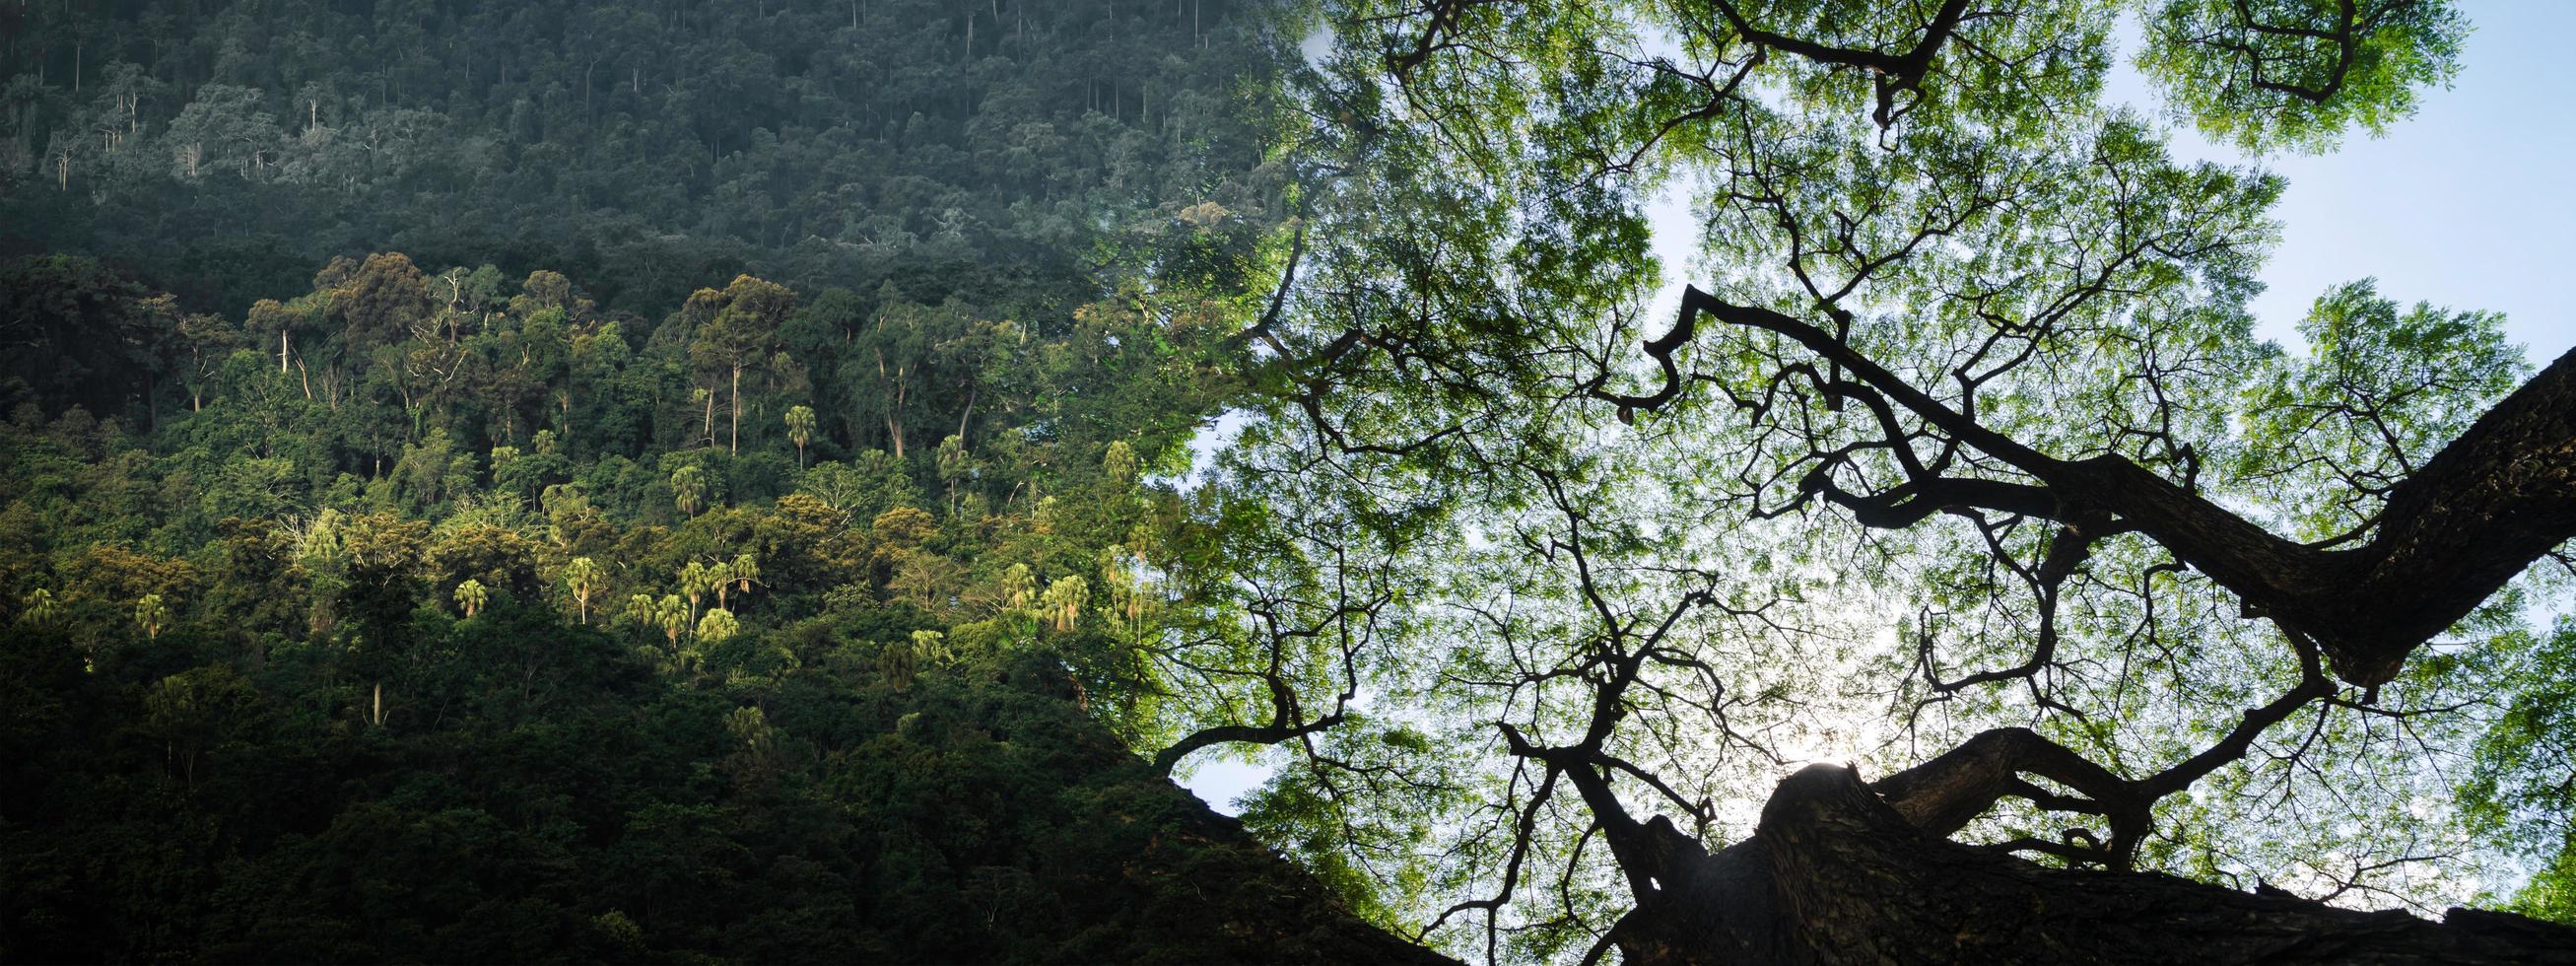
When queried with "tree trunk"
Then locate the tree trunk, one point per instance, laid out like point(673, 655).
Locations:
point(1835, 874)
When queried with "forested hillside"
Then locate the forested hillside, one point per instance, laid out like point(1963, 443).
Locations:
point(364, 653)
point(624, 481)
point(645, 148)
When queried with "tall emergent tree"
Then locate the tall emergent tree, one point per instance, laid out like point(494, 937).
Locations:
point(734, 331)
point(1957, 477)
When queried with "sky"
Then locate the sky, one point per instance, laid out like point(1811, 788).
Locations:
point(2469, 204)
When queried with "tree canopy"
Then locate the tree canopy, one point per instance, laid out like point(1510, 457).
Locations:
point(1958, 469)
point(645, 148)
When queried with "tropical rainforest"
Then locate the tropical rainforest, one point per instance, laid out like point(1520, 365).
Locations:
point(799, 480)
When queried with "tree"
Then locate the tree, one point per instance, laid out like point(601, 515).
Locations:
point(641, 609)
point(671, 614)
point(954, 465)
point(151, 615)
point(898, 357)
point(40, 606)
point(717, 625)
point(85, 334)
point(698, 580)
point(1064, 600)
point(1019, 590)
point(932, 646)
point(800, 428)
point(1953, 466)
point(470, 596)
point(751, 730)
point(1120, 576)
point(476, 444)
point(224, 129)
point(209, 340)
point(719, 578)
point(2299, 74)
point(582, 577)
point(689, 489)
point(1119, 461)
point(736, 330)
point(381, 301)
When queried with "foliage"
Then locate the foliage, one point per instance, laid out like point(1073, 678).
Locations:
point(2298, 74)
point(854, 362)
point(376, 720)
point(643, 563)
point(948, 146)
point(1601, 573)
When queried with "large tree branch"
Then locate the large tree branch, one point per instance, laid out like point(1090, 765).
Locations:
point(1943, 795)
point(2479, 512)
point(1277, 731)
point(1894, 72)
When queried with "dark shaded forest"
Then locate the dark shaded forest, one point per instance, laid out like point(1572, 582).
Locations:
point(615, 482)
point(223, 151)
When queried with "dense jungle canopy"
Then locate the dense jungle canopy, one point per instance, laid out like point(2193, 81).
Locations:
point(793, 480)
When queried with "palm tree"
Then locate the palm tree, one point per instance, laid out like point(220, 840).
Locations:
point(581, 576)
point(1119, 573)
point(695, 581)
point(152, 614)
point(717, 625)
point(800, 428)
point(932, 646)
point(41, 607)
point(1064, 599)
point(721, 576)
point(673, 616)
point(640, 609)
point(689, 489)
point(1019, 589)
point(470, 596)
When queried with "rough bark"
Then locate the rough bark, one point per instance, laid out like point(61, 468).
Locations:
point(2476, 514)
point(1836, 874)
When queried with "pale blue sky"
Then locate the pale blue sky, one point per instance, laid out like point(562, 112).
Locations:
point(2469, 204)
